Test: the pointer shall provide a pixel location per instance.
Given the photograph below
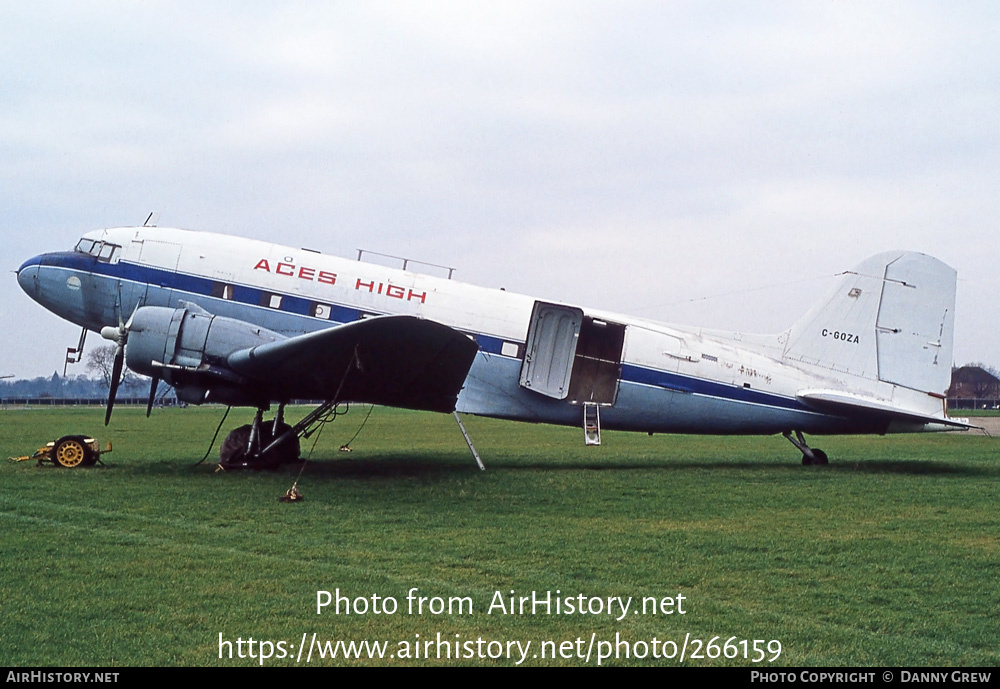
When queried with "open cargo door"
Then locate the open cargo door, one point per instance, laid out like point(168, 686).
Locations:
point(572, 356)
point(550, 349)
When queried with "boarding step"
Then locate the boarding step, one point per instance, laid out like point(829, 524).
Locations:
point(591, 424)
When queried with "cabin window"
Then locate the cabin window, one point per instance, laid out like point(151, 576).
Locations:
point(509, 349)
point(321, 310)
point(108, 252)
point(270, 300)
point(221, 290)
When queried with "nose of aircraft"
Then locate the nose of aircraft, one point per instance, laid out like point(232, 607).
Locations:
point(27, 275)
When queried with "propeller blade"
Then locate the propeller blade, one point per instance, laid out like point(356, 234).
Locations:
point(118, 305)
point(116, 376)
point(128, 323)
point(152, 395)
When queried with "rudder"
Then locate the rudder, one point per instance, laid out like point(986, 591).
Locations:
point(890, 319)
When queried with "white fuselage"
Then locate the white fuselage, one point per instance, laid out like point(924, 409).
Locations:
point(669, 378)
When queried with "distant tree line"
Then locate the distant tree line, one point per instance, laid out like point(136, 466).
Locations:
point(78, 387)
point(99, 365)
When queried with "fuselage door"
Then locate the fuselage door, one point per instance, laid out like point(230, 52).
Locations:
point(550, 349)
point(597, 367)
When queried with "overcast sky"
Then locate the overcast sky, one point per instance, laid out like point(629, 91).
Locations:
point(705, 163)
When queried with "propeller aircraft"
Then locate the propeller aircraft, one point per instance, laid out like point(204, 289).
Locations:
point(248, 323)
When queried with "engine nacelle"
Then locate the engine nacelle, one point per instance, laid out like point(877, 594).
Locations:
point(189, 349)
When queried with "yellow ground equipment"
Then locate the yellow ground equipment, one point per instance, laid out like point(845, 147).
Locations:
point(69, 451)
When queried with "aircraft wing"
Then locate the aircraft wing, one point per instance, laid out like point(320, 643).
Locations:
point(849, 404)
point(398, 361)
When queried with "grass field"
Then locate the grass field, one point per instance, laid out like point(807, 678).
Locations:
point(889, 556)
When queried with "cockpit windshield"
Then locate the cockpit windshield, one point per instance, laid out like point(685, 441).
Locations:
point(103, 251)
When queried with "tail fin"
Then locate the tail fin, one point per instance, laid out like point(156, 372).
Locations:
point(890, 319)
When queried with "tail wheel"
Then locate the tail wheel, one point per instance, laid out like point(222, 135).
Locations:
point(817, 458)
point(71, 452)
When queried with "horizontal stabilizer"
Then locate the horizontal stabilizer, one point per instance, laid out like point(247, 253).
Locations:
point(849, 404)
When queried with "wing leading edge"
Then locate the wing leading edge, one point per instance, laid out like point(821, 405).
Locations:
point(398, 361)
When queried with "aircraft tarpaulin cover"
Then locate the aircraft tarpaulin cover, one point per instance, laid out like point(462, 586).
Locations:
point(393, 360)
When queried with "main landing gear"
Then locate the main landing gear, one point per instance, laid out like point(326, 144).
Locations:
point(810, 455)
point(262, 445)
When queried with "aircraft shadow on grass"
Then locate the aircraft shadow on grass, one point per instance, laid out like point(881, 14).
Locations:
point(426, 466)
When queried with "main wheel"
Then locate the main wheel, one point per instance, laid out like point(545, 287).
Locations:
point(286, 452)
point(233, 453)
point(71, 451)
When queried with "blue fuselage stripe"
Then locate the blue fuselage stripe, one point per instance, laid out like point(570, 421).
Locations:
point(710, 388)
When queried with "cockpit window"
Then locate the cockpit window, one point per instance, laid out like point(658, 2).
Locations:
point(102, 250)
